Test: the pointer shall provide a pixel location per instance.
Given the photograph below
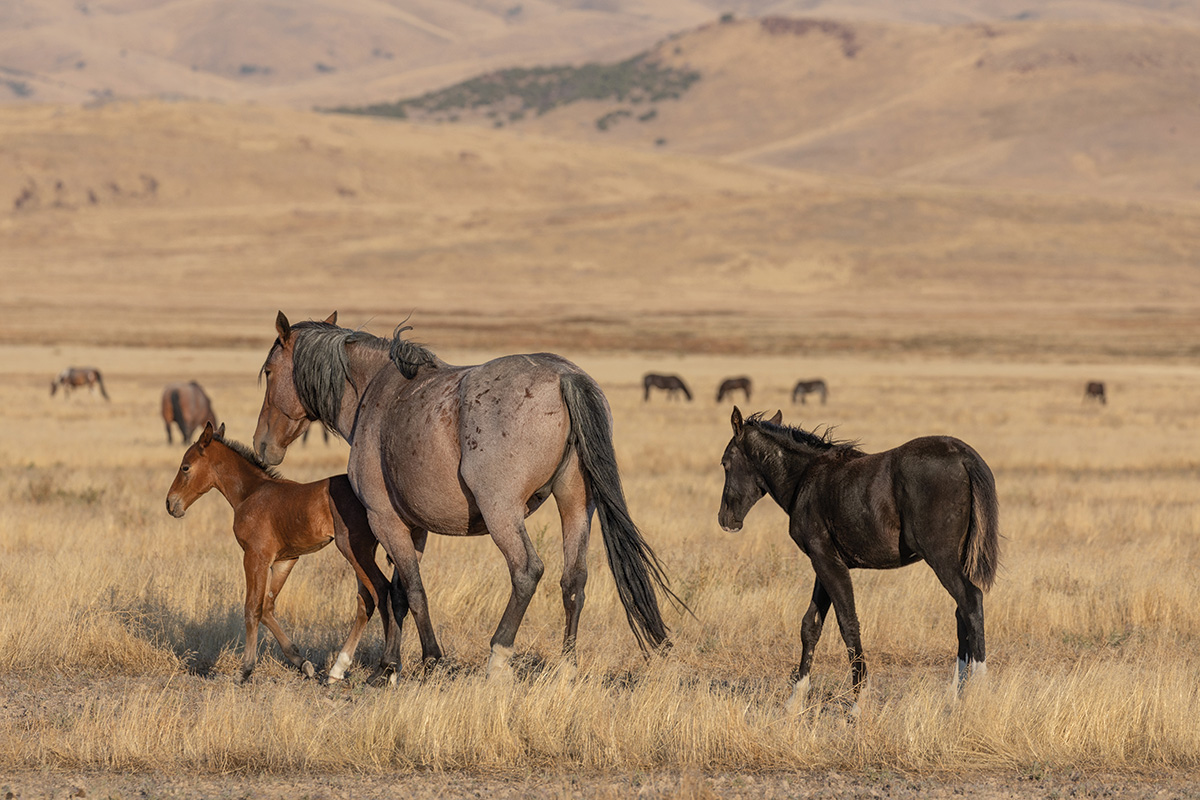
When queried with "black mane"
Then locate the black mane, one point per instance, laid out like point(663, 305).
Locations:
point(823, 441)
point(320, 367)
point(248, 454)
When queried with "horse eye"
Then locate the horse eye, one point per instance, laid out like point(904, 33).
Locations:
point(184, 468)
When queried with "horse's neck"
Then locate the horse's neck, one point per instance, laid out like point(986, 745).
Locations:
point(781, 467)
point(364, 363)
point(236, 478)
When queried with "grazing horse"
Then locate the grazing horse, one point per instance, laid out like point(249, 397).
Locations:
point(729, 385)
point(187, 406)
point(1095, 391)
point(671, 383)
point(465, 451)
point(804, 388)
point(931, 499)
point(76, 377)
point(276, 521)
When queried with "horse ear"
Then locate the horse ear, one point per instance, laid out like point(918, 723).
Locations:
point(221, 431)
point(332, 318)
point(778, 418)
point(736, 421)
point(282, 326)
point(206, 436)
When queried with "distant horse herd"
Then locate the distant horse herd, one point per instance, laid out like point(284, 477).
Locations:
point(674, 385)
point(460, 472)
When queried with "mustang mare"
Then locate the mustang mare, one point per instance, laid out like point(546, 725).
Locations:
point(276, 521)
point(186, 405)
point(76, 378)
point(465, 451)
point(931, 499)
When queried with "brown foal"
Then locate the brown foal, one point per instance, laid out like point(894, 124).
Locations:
point(276, 521)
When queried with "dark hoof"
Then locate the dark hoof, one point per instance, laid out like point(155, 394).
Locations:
point(384, 675)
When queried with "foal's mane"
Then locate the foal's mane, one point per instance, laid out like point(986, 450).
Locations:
point(248, 454)
point(320, 366)
point(792, 435)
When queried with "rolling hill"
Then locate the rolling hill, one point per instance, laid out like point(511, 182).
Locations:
point(1060, 107)
point(306, 53)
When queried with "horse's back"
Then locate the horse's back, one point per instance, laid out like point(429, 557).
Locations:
point(484, 428)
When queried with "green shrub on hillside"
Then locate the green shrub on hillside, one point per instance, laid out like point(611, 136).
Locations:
point(541, 89)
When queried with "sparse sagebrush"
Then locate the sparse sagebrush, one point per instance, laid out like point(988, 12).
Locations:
point(120, 627)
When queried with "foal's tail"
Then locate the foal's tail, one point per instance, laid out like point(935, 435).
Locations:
point(100, 381)
point(177, 413)
point(635, 568)
point(981, 546)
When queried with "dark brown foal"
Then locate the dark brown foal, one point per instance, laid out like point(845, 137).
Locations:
point(276, 521)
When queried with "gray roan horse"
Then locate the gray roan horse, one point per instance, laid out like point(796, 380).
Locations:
point(465, 451)
point(931, 499)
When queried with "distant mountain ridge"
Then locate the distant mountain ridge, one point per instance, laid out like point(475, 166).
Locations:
point(306, 53)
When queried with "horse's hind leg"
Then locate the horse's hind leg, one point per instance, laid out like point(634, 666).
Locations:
point(810, 634)
point(575, 512)
point(968, 616)
point(505, 522)
point(279, 574)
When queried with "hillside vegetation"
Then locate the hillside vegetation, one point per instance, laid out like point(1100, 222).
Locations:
point(1056, 107)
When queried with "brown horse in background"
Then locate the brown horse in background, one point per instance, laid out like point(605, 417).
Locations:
point(465, 451)
point(730, 385)
point(76, 378)
point(931, 499)
point(1095, 391)
point(670, 383)
point(276, 521)
point(186, 405)
point(804, 388)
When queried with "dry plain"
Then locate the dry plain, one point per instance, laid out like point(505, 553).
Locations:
point(928, 310)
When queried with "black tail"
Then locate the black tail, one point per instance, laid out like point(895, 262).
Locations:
point(635, 568)
point(100, 381)
point(177, 413)
point(981, 547)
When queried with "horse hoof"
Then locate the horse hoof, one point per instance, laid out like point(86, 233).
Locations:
point(384, 675)
point(308, 669)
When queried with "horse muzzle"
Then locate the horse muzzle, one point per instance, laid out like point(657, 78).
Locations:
point(175, 507)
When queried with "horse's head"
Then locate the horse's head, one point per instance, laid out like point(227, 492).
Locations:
point(283, 417)
point(744, 485)
point(195, 475)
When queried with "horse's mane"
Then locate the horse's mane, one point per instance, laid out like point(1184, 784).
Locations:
point(823, 441)
point(320, 366)
point(248, 454)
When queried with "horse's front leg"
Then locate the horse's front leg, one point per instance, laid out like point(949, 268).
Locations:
point(834, 577)
point(279, 574)
point(257, 568)
point(405, 545)
point(810, 634)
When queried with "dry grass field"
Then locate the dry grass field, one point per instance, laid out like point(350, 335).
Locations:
point(120, 626)
point(928, 310)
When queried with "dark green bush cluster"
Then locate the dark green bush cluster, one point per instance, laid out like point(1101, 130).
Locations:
point(542, 89)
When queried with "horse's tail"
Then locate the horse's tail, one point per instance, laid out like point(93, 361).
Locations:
point(686, 393)
point(100, 382)
point(634, 565)
point(981, 546)
point(177, 413)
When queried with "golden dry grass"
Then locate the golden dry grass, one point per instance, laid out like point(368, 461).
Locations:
point(120, 626)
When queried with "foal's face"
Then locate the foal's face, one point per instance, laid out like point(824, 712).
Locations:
point(743, 486)
point(282, 418)
point(194, 478)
